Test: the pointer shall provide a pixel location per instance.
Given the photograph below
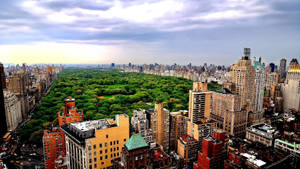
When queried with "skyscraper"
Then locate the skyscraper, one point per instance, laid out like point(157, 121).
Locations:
point(242, 75)
point(291, 88)
point(199, 102)
point(160, 121)
point(260, 81)
point(3, 125)
point(282, 68)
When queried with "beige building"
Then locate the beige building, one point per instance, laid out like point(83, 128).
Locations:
point(242, 75)
point(291, 88)
point(271, 79)
point(94, 144)
point(160, 126)
point(199, 102)
point(226, 110)
point(141, 124)
point(12, 110)
point(178, 127)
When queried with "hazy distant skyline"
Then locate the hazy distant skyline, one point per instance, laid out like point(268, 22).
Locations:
point(148, 31)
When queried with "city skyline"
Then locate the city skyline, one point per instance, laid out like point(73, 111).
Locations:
point(167, 32)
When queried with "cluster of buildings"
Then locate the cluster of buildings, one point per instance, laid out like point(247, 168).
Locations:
point(196, 73)
point(21, 89)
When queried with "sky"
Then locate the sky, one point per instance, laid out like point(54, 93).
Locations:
point(148, 31)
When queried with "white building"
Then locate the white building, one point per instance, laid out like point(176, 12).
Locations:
point(291, 89)
point(12, 110)
point(260, 81)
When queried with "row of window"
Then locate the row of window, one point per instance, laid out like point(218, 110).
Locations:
point(105, 144)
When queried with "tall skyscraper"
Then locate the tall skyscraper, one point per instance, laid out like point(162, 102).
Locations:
point(199, 102)
point(96, 143)
point(242, 75)
point(54, 140)
point(3, 125)
point(260, 81)
point(282, 68)
point(160, 121)
point(291, 88)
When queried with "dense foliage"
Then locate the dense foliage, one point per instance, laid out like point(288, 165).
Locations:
point(102, 94)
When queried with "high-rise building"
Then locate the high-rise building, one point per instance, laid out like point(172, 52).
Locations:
point(54, 139)
point(282, 68)
point(291, 88)
point(213, 152)
point(227, 111)
point(96, 143)
point(3, 124)
point(140, 123)
point(178, 127)
point(13, 110)
point(2, 76)
point(160, 126)
point(242, 75)
point(260, 81)
point(199, 102)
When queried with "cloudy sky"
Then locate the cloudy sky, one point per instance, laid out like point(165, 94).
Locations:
point(147, 31)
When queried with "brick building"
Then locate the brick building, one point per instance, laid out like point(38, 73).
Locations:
point(187, 149)
point(54, 139)
point(213, 152)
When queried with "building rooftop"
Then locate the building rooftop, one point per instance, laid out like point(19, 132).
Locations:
point(188, 138)
point(264, 130)
point(136, 141)
point(252, 159)
point(91, 125)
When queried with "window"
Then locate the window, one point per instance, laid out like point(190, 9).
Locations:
point(100, 151)
point(110, 143)
point(105, 144)
point(90, 160)
point(94, 146)
point(95, 165)
point(90, 147)
point(102, 163)
point(106, 151)
point(101, 158)
point(124, 139)
point(95, 153)
point(105, 156)
point(110, 149)
point(114, 142)
point(100, 145)
point(95, 159)
point(117, 141)
point(106, 135)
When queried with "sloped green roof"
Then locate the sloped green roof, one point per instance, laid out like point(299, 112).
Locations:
point(257, 65)
point(136, 141)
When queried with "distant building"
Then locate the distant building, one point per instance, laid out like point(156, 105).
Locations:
point(262, 133)
point(287, 146)
point(160, 124)
point(271, 79)
point(140, 122)
point(54, 139)
point(187, 149)
point(282, 69)
point(96, 143)
point(178, 127)
point(291, 88)
point(199, 102)
point(227, 112)
point(242, 75)
point(213, 152)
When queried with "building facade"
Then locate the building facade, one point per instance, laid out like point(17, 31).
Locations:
point(160, 123)
point(96, 143)
point(260, 82)
point(213, 152)
point(242, 75)
point(199, 102)
point(3, 124)
point(12, 110)
point(187, 149)
point(140, 123)
point(227, 112)
point(291, 88)
point(262, 133)
point(178, 127)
